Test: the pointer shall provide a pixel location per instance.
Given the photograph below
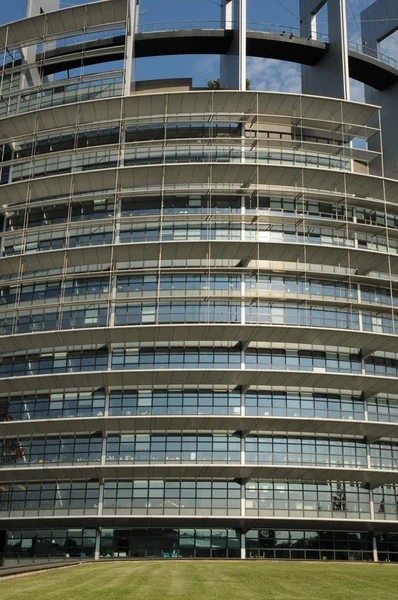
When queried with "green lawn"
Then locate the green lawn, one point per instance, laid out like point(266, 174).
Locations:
point(208, 581)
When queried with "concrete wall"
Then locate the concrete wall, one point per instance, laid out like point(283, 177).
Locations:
point(374, 30)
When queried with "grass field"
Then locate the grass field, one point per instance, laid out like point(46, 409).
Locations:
point(207, 581)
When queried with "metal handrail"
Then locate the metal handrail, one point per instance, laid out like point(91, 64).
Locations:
point(363, 49)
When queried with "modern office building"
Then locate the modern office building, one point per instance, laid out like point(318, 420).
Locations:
point(198, 291)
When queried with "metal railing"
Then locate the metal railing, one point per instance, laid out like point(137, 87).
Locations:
point(363, 49)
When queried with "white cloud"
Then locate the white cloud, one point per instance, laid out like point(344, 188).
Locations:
point(207, 68)
point(273, 75)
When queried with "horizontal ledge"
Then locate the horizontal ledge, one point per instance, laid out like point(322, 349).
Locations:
point(251, 295)
point(246, 472)
point(58, 22)
point(316, 111)
point(238, 175)
point(242, 251)
point(251, 221)
point(370, 384)
point(226, 332)
point(244, 523)
point(321, 272)
point(195, 423)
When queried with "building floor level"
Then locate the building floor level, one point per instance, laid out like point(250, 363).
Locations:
point(30, 546)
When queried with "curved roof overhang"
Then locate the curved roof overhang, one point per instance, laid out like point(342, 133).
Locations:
point(369, 384)
point(315, 111)
point(189, 521)
point(373, 477)
point(365, 189)
point(373, 430)
point(190, 332)
point(363, 260)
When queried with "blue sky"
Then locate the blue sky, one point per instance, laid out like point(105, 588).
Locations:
point(264, 74)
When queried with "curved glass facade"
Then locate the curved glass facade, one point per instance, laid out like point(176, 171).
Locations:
point(198, 296)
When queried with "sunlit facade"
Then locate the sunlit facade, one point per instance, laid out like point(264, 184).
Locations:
point(198, 298)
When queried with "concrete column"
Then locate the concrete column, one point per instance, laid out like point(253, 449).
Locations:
point(371, 504)
point(107, 402)
point(365, 407)
point(375, 553)
point(368, 457)
point(233, 64)
point(330, 77)
point(98, 536)
point(378, 22)
point(372, 516)
point(97, 545)
point(243, 546)
point(132, 18)
point(2, 239)
point(112, 302)
point(243, 506)
point(103, 451)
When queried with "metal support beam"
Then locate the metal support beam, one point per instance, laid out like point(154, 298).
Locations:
point(330, 76)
